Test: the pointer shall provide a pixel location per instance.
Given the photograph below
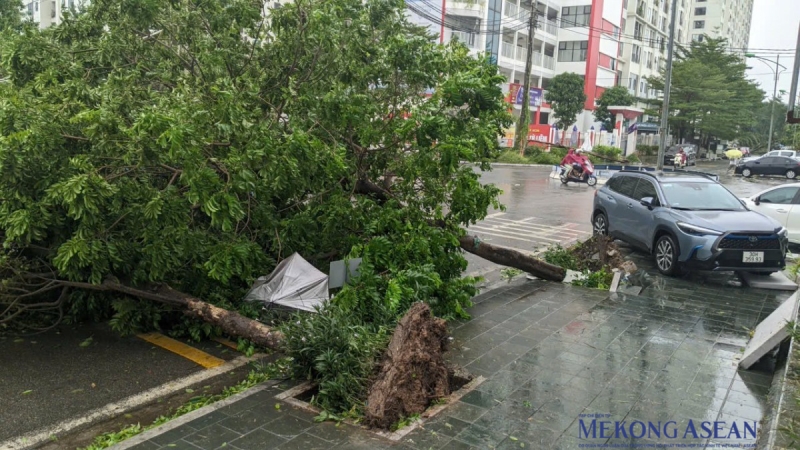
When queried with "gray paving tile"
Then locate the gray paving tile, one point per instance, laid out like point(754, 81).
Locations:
point(146, 445)
point(305, 441)
point(258, 438)
point(212, 436)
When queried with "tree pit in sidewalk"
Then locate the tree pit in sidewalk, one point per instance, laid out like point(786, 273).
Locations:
point(413, 375)
point(595, 258)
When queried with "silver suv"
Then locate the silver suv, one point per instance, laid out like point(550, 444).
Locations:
point(687, 221)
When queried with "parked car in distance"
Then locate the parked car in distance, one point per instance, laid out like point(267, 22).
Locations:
point(782, 203)
point(689, 149)
point(770, 165)
point(786, 153)
point(687, 220)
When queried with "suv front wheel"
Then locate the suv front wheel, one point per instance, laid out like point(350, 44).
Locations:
point(666, 255)
point(600, 224)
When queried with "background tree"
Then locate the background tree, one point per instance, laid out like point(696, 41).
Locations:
point(615, 96)
point(756, 133)
point(191, 156)
point(566, 96)
point(711, 96)
point(10, 14)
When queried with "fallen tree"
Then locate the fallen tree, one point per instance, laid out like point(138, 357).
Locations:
point(149, 178)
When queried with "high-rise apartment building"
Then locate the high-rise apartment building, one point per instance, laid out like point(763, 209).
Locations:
point(729, 19)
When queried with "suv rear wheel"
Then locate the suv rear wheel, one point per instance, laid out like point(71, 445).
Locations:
point(666, 255)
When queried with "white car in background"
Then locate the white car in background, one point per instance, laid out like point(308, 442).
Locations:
point(786, 153)
point(782, 203)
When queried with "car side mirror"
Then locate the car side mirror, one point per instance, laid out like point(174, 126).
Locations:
point(757, 200)
point(648, 202)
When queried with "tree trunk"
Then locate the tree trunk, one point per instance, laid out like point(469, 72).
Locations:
point(230, 322)
point(512, 258)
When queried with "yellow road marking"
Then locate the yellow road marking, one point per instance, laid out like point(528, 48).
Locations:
point(227, 343)
point(192, 354)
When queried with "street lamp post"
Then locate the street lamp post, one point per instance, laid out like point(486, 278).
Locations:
point(774, 92)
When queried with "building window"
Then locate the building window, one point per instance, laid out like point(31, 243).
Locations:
point(636, 54)
point(572, 51)
point(697, 37)
point(633, 83)
point(699, 11)
point(681, 21)
point(621, 49)
point(613, 64)
point(637, 31)
point(699, 24)
point(575, 16)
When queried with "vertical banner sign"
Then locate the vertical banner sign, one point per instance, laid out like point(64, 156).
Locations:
point(515, 95)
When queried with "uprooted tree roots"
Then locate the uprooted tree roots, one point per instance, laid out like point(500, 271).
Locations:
point(413, 373)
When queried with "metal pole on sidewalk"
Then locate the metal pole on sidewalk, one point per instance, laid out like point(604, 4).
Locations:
point(772, 110)
point(795, 76)
point(667, 86)
point(521, 135)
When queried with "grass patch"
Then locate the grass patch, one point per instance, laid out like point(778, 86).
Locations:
point(260, 374)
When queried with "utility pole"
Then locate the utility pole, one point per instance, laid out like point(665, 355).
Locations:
point(772, 110)
point(795, 76)
point(667, 86)
point(521, 135)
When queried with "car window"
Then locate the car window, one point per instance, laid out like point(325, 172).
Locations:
point(780, 196)
point(768, 160)
point(624, 186)
point(645, 188)
point(700, 196)
point(787, 154)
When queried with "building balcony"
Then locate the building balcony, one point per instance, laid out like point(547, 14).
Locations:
point(548, 26)
point(474, 10)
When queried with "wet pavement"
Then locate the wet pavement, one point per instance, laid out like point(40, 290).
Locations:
point(541, 211)
point(556, 358)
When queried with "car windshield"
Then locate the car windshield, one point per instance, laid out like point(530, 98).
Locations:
point(700, 196)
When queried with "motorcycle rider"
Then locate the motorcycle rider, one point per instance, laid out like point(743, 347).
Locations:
point(571, 160)
point(579, 164)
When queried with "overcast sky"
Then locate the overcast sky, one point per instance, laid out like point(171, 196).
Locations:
point(774, 26)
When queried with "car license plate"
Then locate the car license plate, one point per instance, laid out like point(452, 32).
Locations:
point(753, 257)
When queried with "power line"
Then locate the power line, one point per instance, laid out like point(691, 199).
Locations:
point(435, 12)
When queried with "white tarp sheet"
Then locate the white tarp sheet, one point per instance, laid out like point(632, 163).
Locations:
point(295, 283)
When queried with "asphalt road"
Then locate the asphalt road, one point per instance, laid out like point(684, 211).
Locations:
point(541, 212)
point(63, 374)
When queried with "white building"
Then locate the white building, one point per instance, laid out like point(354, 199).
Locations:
point(580, 36)
point(51, 12)
point(644, 54)
point(728, 19)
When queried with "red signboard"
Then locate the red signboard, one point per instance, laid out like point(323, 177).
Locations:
point(539, 133)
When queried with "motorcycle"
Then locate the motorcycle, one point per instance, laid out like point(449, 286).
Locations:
point(586, 175)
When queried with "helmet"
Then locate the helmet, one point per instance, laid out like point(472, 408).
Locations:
point(580, 150)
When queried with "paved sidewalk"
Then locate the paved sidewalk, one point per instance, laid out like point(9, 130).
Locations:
point(552, 353)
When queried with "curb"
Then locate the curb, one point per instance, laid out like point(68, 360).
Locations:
point(186, 418)
point(779, 387)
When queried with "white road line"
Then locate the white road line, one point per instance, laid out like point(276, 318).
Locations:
point(521, 223)
point(532, 230)
point(495, 215)
point(35, 438)
point(531, 238)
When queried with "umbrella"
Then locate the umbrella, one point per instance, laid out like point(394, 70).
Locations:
point(733, 154)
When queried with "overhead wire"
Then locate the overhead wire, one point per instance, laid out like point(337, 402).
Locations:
point(434, 14)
